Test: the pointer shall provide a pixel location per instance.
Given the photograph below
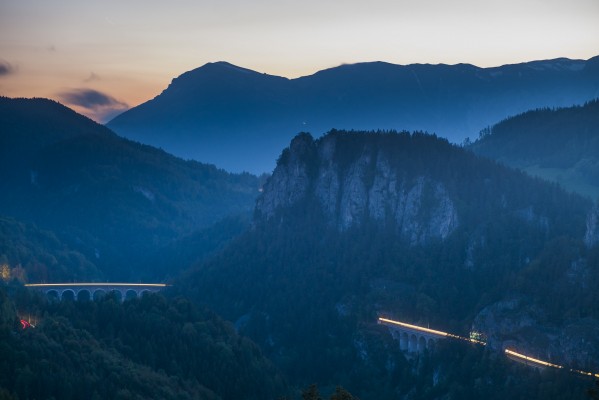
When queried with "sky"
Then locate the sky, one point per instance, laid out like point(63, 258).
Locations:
point(103, 57)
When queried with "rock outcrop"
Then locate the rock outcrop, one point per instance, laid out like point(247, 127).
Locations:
point(591, 236)
point(516, 324)
point(358, 185)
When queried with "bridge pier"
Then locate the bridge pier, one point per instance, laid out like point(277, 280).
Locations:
point(403, 341)
point(413, 338)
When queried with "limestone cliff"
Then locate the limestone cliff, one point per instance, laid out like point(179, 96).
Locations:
point(516, 324)
point(352, 185)
point(591, 236)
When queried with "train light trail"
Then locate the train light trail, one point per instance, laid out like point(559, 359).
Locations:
point(531, 360)
point(430, 331)
point(415, 327)
point(585, 373)
point(478, 338)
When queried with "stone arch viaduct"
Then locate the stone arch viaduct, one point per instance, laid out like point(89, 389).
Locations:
point(412, 338)
point(93, 288)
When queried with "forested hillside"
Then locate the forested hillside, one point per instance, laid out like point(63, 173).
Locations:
point(559, 144)
point(355, 225)
point(106, 197)
point(148, 348)
point(28, 253)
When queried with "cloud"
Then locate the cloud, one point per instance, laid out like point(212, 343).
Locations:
point(6, 68)
point(90, 98)
point(96, 105)
point(92, 77)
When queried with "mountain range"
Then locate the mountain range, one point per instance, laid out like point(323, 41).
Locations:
point(103, 196)
point(350, 226)
point(239, 119)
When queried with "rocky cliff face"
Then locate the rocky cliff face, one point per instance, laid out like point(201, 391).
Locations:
point(354, 186)
point(520, 326)
point(591, 236)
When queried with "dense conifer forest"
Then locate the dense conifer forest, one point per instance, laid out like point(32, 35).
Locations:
point(103, 196)
point(561, 145)
point(344, 231)
point(148, 348)
point(309, 294)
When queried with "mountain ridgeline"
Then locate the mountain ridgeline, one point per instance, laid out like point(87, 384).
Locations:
point(105, 197)
point(359, 224)
point(239, 119)
point(560, 145)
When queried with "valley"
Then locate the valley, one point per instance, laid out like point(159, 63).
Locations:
point(287, 283)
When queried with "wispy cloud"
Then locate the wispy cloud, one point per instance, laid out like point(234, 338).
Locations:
point(92, 77)
point(6, 68)
point(95, 104)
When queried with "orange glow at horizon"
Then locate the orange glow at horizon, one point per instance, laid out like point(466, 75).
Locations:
point(131, 50)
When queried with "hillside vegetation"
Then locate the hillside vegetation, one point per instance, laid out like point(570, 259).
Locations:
point(28, 253)
point(354, 225)
point(106, 197)
point(148, 348)
point(560, 145)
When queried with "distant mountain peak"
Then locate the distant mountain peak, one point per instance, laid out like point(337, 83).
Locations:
point(215, 76)
point(232, 67)
point(239, 119)
point(223, 67)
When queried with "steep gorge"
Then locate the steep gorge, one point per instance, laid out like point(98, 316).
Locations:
point(358, 224)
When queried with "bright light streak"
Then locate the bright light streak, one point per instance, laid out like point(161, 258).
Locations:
point(472, 340)
point(533, 360)
point(42, 285)
point(431, 331)
point(585, 373)
point(546, 364)
point(415, 327)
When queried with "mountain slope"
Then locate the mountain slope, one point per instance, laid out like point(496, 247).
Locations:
point(150, 348)
point(239, 119)
point(561, 145)
point(354, 225)
point(28, 253)
point(107, 197)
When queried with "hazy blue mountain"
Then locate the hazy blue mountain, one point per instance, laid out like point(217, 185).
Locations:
point(239, 119)
point(109, 198)
point(355, 225)
point(561, 145)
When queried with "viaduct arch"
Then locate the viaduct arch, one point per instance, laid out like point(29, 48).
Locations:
point(413, 338)
point(93, 289)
